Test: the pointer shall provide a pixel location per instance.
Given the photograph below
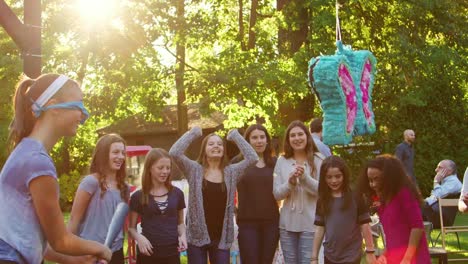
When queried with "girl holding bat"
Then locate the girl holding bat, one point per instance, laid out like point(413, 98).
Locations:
point(97, 198)
point(212, 187)
point(99, 194)
point(161, 208)
point(45, 110)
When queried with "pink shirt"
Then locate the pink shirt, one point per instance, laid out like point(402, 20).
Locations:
point(398, 217)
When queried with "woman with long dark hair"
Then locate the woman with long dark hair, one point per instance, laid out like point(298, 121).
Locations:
point(212, 188)
point(398, 207)
point(341, 217)
point(258, 213)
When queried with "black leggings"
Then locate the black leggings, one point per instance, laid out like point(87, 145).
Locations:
point(7, 262)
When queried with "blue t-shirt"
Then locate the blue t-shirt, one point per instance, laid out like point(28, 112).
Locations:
point(99, 213)
point(158, 227)
point(20, 227)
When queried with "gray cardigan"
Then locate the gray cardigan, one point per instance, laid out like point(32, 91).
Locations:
point(197, 231)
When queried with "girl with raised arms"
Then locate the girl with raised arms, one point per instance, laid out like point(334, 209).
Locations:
point(212, 187)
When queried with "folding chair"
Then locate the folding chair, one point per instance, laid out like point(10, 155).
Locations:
point(445, 228)
point(447, 219)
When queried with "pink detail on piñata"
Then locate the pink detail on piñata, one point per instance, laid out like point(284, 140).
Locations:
point(364, 85)
point(349, 90)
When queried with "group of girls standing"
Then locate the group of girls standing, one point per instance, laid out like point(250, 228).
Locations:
point(318, 204)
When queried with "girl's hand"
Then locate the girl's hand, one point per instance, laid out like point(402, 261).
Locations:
point(145, 246)
point(293, 178)
point(382, 260)
point(182, 243)
point(297, 173)
point(105, 255)
point(299, 170)
point(314, 261)
point(197, 131)
point(230, 133)
point(371, 259)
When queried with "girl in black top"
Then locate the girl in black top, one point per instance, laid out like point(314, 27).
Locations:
point(258, 214)
point(160, 206)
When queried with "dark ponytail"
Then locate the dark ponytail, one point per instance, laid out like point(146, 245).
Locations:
point(23, 120)
point(27, 91)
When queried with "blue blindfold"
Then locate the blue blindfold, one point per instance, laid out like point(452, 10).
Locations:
point(75, 105)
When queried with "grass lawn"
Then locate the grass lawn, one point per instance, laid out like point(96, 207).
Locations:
point(451, 239)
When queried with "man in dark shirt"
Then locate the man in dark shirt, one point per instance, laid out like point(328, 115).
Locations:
point(405, 152)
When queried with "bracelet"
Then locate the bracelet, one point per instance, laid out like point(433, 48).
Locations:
point(368, 251)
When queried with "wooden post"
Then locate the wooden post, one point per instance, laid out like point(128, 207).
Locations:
point(27, 35)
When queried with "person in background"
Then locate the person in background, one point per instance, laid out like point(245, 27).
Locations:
point(258, 214)
point(212, 188)
point(463, 203)
point(161, 208)
point(398, 210)
point(405, 153)
point(45, 110)
point(446, 183)
point(295, 182)
point(316, 132)
point(338, 204)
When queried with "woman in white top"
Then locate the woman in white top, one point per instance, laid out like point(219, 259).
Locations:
point(296, 183)
point(463, 203)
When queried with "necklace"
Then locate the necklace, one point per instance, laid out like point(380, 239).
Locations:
point(162, 195)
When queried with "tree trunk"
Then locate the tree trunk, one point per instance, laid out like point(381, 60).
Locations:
point(241, 25)
point(253, 21)
point(289, 40)
point(182, 118)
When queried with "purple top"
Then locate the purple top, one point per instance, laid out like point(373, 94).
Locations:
point(398, 217)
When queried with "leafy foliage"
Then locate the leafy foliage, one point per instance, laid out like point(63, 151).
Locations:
point(256, 68)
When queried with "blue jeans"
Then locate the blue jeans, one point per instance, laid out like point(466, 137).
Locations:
point(297, 246)
point(199, 255)
point(258, 241)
